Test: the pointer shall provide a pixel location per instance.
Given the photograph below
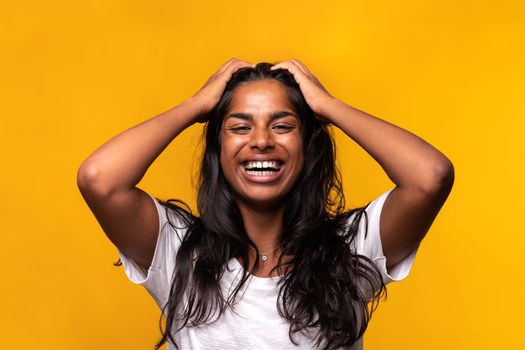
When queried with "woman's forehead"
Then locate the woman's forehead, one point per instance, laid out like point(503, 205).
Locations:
point(261, 94)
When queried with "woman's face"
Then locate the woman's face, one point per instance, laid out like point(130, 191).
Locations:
point(261, 145)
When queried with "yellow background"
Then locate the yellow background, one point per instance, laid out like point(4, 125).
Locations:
point(76, 73)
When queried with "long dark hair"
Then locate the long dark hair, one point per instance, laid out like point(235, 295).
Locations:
point(327, 289)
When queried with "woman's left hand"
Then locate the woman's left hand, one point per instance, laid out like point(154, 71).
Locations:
point(314, 93)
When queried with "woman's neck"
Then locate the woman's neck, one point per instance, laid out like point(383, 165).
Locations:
point(264, 227)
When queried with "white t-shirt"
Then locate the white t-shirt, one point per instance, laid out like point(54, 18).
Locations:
point(255, 323)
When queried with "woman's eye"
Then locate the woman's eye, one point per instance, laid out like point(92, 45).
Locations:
point(240, 128)
point(283, 127)
point(278, 128)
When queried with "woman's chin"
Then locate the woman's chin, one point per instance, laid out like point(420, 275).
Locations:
point(261, 201)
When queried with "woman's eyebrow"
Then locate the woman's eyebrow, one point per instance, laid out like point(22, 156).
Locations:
point(248, 116)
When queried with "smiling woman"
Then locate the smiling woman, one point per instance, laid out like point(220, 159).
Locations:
point(273, 260)
point(261, 127)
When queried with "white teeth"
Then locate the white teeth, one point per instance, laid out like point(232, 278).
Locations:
point(260, 173)
point(261, 165)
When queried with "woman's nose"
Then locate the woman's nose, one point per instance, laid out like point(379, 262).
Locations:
point(262, 139)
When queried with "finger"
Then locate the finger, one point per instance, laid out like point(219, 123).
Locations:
point(245, 64)
point(288, 62)
point(278, 65)
point(236, 62)
point(290, 66)
point(237, 65)
point(305, 70)
point(224, 66)
point(302, 67)
point(281, 65)
point(231, 68)
point(227, 64)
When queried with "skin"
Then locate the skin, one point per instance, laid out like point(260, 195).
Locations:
point(423, 175)
point(108, 178)
point(248, 131)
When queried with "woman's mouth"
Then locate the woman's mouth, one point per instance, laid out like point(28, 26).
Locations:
point(262, 171)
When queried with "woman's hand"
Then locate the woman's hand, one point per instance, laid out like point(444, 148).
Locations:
point(314, 93)
point(209, 95)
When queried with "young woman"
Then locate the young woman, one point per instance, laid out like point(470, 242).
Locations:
point(273, 260)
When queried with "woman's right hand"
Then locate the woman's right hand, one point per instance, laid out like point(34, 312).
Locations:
point(209, 95)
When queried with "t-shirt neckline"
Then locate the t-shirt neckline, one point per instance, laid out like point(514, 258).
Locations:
point(260, 280)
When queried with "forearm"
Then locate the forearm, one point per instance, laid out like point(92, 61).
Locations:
point(121, 162)
point(407, 159)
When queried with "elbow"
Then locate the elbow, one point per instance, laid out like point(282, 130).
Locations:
point(86, 175)
point(442, 177)
point(88, 180)
point(445, 173)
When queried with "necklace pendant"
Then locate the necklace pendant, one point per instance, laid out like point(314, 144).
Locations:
point(263, 257)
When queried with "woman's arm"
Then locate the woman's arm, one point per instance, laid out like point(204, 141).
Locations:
point(120, 163)
point(107, 179)
point(422, 174)
point(407, 159)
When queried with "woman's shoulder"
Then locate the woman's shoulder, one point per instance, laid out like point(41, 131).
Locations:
point(177, 209)
point(371, 210)
point(174, 215)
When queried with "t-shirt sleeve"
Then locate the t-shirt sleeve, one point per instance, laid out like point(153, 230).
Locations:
point(371, 247)
point(157, 278)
